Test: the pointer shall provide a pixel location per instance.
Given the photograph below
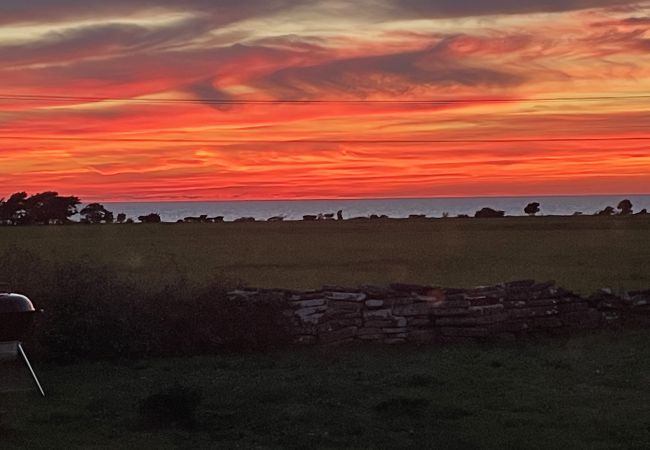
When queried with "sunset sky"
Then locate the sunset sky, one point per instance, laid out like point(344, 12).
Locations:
point(258, 99)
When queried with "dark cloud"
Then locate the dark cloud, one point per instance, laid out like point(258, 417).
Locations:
point(103, 40)
point(466, 8)
point(394, 74)
point(221, 11)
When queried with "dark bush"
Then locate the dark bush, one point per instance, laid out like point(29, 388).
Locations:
point(489, 213)
point(174, 406)
point(91, 313)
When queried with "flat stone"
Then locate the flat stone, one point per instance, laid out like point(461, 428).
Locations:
point(309, 303)
point(378, 314)
point(347, 296)
point(306, 296)
point(374, 303)
point(453, 304)
point(306, 312)
point(378, 323)
point(442, 312)
point(487, 309)
point(368, 331)
point(533, 312)
point(416, 309)
point(395, 330)
point(344, 306)
point(418, 322)
point(313, 318)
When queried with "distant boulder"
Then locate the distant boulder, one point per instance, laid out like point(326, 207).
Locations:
point(216, 219)
point(309, 218)
point(244, 219)
point(489, 213)
point(643, 212)
point(275, 219)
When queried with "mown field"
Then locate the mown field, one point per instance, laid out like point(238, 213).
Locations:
point(581, 393)
point(583, 253)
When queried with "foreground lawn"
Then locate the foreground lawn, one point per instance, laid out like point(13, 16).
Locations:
point(582, 253)
point(588, 392)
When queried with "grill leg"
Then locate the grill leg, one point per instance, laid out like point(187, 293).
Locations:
point(29, 366)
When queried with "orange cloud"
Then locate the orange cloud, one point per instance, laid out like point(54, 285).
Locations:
point(264, 108)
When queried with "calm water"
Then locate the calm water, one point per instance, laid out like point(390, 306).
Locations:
point(397, 208)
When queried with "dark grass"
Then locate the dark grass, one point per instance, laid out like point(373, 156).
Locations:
point(582, 253)
point(587, 392)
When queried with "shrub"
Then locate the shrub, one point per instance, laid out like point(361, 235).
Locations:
point(489, 213)
point(174, 406)
point(91, 313)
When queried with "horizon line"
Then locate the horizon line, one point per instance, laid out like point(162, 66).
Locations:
point(451, 197)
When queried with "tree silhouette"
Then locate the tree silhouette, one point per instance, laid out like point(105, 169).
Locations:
point(625, 206)
point(532, 208)
point(12, 211)
point(96, 213)
point(50, 208)
point(121, 217)
point(42, 209)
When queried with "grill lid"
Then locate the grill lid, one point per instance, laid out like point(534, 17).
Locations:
point(15, 303)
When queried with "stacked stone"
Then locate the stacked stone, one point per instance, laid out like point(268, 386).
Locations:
point(335, 315)
point(423, 314)
point(631, 308)
point(510, 310)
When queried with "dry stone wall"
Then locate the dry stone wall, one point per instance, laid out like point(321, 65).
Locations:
point(425, 314)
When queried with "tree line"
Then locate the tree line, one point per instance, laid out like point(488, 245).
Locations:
point(50, 208)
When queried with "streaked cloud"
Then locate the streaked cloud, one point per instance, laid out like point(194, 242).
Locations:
point(533, 55)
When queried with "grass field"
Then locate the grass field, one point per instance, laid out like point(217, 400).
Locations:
point(583, 253)
point(589, 392)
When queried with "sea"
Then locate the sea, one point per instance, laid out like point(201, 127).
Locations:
point(394, 208)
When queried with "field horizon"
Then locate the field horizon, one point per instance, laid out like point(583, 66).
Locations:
point(581, 253)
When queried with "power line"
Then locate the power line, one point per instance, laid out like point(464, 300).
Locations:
point(322, 141)
point(225, 101)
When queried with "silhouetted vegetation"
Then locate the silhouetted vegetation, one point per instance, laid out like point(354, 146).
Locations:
point(609, 211)
point(532, 208)
point(46, 208)
point(96, 213)
point(489, 213)
point(91, 313)
point(625, 207)
point(150, 218)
